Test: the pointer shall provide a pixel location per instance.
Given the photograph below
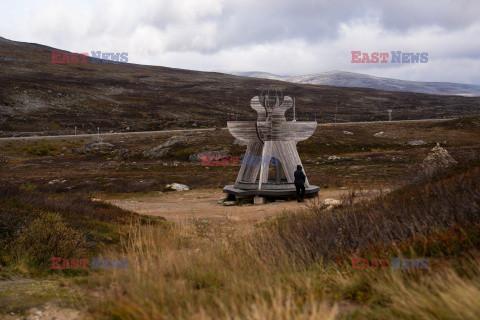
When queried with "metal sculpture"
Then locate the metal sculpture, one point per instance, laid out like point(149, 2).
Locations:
point(271, 157)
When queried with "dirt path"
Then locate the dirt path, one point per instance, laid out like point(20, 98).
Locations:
point(203, 203)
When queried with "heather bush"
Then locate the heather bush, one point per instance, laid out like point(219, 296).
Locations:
point(414, 210)
point(47, 236)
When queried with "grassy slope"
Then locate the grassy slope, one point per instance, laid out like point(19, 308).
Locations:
point(285, 271)
point(290, 269)
point(365, 160)
point(35, 226)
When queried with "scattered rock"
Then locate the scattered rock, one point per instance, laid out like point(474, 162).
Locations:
point(222, 200)
point(198, 155)
point(97, 146)
point(379, 134)
point(347, 132)
point(437, 160)
point(56, 181)
point(229, 203)
point(333, 158)
point(174, 141)
point(121, 153)
point(416, 143)
point(176, 187)
point(331, 202)
point(238, 142)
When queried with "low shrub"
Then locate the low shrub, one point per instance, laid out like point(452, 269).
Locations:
point(46, 237)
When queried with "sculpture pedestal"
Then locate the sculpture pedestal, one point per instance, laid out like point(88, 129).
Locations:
point(283, 192)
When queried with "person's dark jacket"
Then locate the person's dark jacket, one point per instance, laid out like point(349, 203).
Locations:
point(299, 177)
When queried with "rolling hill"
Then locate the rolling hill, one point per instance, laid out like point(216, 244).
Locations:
point(42, 97)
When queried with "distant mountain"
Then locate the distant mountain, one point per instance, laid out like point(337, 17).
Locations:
point(351, 79)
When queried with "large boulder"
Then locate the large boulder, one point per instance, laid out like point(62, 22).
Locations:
point(156, 152)
point(176, 187)
point(163, 149)
point(437, 160)
point(416, 143)
point(97, 146)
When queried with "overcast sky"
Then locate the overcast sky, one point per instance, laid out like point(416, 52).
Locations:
point(282, 37)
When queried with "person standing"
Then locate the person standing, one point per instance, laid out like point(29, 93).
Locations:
point(299, 183)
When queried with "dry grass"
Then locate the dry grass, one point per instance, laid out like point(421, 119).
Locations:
point(177, 274)
point(286, 270)
point(418, 209)
point(182, 276)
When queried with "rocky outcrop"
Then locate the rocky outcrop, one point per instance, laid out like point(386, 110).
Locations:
point(97, 147)
point(416, 143)
point(437, 160)
point(163, 149)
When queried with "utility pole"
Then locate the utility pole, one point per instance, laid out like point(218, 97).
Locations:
point(75, 130)
point(98, 133)
point(389, 115)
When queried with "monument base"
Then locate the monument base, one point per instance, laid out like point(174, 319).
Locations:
point(230, 189)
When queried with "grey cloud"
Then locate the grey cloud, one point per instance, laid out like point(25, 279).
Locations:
point(283, 36)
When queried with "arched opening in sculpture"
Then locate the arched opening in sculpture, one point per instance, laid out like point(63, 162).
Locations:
point(275, 171)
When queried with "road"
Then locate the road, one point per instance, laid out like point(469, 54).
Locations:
point(109, 134)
